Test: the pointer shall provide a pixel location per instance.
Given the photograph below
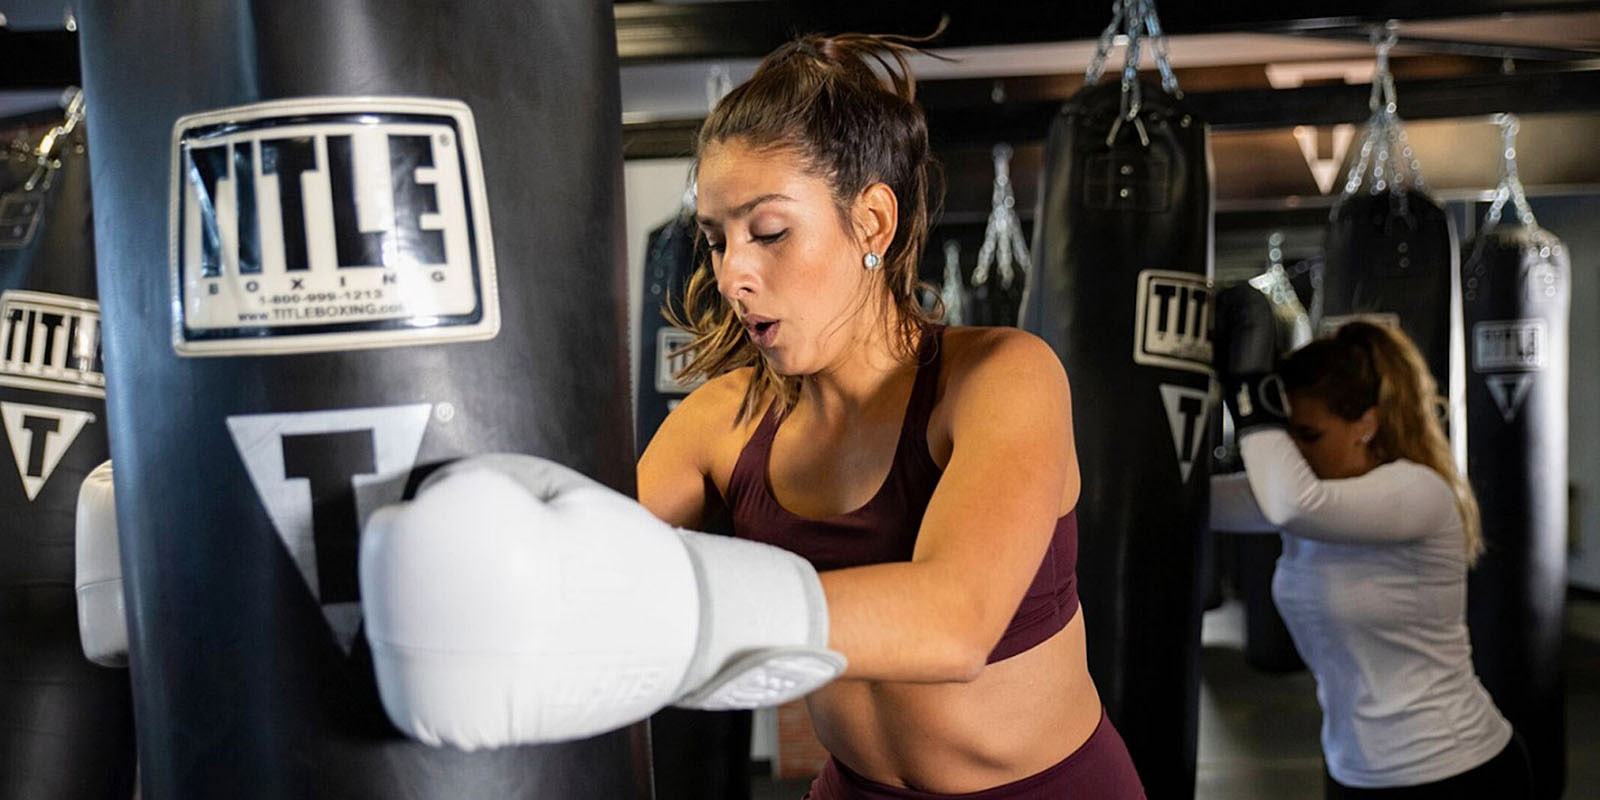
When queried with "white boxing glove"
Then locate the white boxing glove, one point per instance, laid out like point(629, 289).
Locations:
point(515, 601)
point(102, 619)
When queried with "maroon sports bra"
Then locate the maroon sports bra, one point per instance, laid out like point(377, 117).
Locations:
point(885, 529)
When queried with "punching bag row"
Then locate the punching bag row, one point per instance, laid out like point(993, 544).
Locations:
point(307, 307)
point(66, 726)
point(1121, 291)
point(1516, 298)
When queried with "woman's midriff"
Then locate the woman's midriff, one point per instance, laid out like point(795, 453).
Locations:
point(1019, 717)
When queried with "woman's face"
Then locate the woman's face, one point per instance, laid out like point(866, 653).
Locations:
point(1334, 446)
point(783, 256)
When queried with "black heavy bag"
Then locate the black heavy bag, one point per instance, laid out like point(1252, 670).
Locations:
point(1390, 252)
point(66, 726)
point(995, 304)
point(1121, 290)
point(696, 755)
point(668, 264)
point(701, 755)
point(1392, 255)
point(309, 307)
point(1515, 300)
point(1267, 643)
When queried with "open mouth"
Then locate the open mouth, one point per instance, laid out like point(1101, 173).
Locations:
point(762, 330)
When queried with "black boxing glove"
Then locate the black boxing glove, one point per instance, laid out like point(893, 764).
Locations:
point(1246, 356)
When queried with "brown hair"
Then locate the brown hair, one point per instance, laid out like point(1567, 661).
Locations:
point(1365, 365)
point(847, 105)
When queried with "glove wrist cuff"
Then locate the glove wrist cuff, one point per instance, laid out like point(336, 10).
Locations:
point(763, 633)
point(1257, 400)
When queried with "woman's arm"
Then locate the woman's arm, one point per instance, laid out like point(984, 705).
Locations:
point(985, 531)
point(1233, 506)
point(674, 473)
point(1396, 502)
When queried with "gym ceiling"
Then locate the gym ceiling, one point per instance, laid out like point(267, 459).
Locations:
point(1255, 70)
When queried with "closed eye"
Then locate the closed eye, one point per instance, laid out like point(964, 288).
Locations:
point(1307, 435)
point(768, 239)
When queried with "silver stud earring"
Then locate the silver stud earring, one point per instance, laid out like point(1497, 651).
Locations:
point(871, 261)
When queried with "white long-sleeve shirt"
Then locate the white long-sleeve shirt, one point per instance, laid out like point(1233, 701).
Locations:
point(1372, 585)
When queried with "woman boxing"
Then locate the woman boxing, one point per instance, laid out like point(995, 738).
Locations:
point(927, 473)
point(1379, 529)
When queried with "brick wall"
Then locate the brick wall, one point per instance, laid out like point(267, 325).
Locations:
point(799, 754)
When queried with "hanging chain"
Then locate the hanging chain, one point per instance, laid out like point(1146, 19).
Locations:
point(1132, 92)
point(1538, 275)
point(1152, 25)
point(1137, 21)
point(1294, 326)
point(1275, 280)
point(1102, 50)
point(1510, 187)
point(1003, 245)
point(950, 294)
point(47, 153)
point(1386, 161)
point(718, 84)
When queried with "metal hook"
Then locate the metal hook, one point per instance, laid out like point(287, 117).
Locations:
point(955, 311)
point(46, 153)
point(1510, 188)
point(1002, 162)
point(1138, 127)
point(1003, 244)
point(718, 84)
point(1134, 21)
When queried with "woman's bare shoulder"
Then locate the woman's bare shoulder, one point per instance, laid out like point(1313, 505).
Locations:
point(713, 407)
point(970, 352)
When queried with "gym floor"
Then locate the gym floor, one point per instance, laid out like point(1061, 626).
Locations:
point(1258, 732)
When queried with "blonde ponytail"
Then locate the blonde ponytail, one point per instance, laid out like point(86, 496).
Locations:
point(1365, 366)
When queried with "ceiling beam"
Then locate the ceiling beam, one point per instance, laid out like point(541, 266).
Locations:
point(964, 123)
point(648, 31)
point(1516, 51)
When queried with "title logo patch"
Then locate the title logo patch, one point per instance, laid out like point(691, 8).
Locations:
point(329, 224)
point(51, 343)
point(1173, 320)
point(1509, 345)
point(671, 356)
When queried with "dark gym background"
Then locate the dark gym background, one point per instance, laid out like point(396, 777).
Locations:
point(1276, 81)
point(1273, 80)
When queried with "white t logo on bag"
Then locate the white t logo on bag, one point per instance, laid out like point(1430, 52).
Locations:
point(1188, 417)
point(40, 436)
point(320, 474)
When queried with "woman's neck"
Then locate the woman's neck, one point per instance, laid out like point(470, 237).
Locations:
point(870, 359)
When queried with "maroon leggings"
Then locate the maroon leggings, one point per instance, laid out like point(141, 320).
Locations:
point(1100, 769)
